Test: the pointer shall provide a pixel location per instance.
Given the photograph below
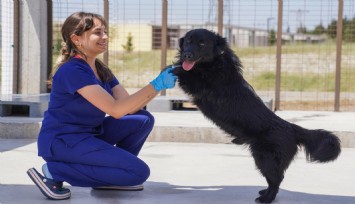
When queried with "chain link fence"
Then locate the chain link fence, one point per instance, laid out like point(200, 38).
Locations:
point(289, 49)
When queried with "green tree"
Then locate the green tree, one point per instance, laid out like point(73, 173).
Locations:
point(319, 29)
point(301, 29)
point(332, 29)
point(128, 47)
point(272, 37)
point(349, 30)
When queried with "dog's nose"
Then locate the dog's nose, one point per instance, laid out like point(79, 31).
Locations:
point(187, 55)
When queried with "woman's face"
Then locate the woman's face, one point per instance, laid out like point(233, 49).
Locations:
point(94, 41)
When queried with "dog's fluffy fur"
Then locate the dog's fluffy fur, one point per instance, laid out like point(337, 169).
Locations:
point(211, 74)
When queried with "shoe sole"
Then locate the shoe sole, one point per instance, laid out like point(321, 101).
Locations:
point(121, 188)
point(32, 173)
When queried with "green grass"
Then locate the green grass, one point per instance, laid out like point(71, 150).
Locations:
point(134, 60)
point(147, 64)
point(305, 82)
point(254, 51)
point(297, 48)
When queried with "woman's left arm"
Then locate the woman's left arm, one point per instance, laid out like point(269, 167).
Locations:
point(120, 92)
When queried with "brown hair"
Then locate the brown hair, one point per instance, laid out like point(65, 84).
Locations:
point(78, 23)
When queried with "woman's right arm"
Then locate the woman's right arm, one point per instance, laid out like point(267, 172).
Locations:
point(97, 96)
point(120, 106)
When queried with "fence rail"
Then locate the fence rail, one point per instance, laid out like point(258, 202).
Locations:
point(298, 53)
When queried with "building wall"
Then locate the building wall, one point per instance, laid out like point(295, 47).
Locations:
point(142, 36)
point(244, 37)
point(33, 61)
point(7, 51)
point(240, 38)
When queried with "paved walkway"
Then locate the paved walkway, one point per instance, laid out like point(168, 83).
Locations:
point(202, 169)
point(189, 173)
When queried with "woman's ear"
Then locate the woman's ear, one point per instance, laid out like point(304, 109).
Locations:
point(181, 42)
point(75, 39)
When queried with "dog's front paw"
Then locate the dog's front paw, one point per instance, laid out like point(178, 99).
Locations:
point(263, 199)
point(266, 196)
point(238, 141)
point(262, 192)
point(177, 70)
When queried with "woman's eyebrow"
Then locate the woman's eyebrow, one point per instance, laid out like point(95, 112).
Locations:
point(97, 28)
point(102, 27)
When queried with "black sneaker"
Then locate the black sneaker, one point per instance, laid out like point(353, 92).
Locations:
point(50, 188)
point(121, 188)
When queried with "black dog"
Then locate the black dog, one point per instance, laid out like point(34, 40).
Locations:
point(211, 74)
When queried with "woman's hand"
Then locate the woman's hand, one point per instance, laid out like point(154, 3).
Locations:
point(165, 80)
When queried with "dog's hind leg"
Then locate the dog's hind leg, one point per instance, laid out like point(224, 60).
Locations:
point(274, 174)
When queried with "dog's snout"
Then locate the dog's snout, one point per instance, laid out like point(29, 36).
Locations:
point(187, 55)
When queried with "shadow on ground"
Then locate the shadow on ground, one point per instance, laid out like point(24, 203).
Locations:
point(164, 193)
point(7, 145)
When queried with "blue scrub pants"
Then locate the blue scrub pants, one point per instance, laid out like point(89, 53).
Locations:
point(108, 159)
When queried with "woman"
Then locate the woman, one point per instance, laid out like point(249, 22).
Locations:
point(80, 145)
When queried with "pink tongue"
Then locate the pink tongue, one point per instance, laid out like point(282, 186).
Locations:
point(187, 65)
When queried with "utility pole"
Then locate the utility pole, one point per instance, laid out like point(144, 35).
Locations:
point(299, 14)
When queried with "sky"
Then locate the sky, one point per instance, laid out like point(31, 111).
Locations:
point(245, 13)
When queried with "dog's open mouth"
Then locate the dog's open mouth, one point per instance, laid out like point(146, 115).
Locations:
point(187, 65)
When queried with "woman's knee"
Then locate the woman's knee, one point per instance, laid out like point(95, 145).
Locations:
point(149, 118)
point(132, 176)
point(142, 173)
point(148, 114)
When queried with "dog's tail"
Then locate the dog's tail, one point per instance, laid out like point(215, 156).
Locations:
point(320, 145)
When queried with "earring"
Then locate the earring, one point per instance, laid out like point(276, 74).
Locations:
point(78, 44)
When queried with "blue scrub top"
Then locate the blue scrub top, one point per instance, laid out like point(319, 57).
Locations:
point(70, 117)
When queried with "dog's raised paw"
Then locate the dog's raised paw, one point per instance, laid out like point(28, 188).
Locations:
point(237, 141)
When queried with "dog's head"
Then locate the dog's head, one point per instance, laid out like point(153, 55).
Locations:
point(200, 46)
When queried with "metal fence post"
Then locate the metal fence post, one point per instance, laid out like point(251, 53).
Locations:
point(106, 17)
point(16, 47)
point(338, 56)
point(278, 57)
point(50, 40)
point(220, 17)
point(164, 37)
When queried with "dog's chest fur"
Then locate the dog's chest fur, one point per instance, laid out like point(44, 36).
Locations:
point(221, 96)
point(212, 91)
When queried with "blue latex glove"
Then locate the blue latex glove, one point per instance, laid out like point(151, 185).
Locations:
point(165, 80)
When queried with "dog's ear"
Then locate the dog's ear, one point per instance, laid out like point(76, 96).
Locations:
point(181, 42)
point(221, 44)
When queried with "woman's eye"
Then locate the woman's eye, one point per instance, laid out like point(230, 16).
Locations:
point(100, 32)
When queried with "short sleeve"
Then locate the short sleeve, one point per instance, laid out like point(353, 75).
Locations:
point(114, 82)
point(74, 76)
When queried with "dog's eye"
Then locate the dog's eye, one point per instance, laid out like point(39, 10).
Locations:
point(202, 44)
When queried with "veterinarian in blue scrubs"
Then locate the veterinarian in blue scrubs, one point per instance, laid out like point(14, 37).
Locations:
point(79, 142)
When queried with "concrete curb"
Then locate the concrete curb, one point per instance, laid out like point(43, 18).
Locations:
point(19, 128)
point(203, 132)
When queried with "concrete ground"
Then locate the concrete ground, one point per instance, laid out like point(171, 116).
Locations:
point(187, 170)
point(190, 173)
